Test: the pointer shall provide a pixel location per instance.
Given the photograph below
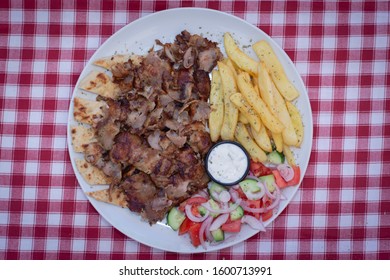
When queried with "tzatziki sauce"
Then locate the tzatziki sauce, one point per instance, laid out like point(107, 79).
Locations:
point(227, 163)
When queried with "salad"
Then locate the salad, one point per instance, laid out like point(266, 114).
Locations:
point(217, 214)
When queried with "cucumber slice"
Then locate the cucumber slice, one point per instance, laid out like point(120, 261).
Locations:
point(214, 205)
point(175, 218)
point(269, 181)
point(237, 213)
point(202, 210)
point(249, 185)
point(275, 157)
point(218, 234)
point(215, 188)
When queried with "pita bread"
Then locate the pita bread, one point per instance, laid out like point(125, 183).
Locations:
point(91, 174)
point(108, 62)
point(88, 111)
point(112, 195)
point(100, 83)
point(81, 136)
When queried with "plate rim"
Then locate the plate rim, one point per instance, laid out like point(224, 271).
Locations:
point(146, 18)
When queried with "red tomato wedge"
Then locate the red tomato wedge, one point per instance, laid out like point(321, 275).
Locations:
point(194, 234)
point(279, 179)
point(241, 193)
point(282, 183)
point(232, 226)
point(195, 202)
point(297, 176)
point(185, 226)
point(267, 215)
point(254, 204)
point(258, 169)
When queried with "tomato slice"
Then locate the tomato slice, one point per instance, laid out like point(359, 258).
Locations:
point(282, 183)
point(297, 176)
point(258, 169)
point(195, 201)
point(254, 204)
point(194, 234)
point(267, 215)
point(185, 226)
point(241, 193)
point(232, 226)
point(279, 179)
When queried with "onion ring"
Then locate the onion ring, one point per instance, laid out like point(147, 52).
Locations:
point(194, 218)
point(222, 211)
point(219, 221)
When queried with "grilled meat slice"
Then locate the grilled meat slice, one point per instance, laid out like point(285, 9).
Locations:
point(191, 176)
point(156, 127)
point(207, 59)
point(131, 149)
point(143, 197)
point(197, 137)
point(203, 84)
point(96, 155)
point(154, 71)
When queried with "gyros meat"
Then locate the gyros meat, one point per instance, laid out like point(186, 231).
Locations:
point(149, 124)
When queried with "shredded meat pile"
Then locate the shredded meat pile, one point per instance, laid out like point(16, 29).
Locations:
point(153, 138)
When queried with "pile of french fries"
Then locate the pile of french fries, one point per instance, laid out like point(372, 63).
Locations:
point(251, 102)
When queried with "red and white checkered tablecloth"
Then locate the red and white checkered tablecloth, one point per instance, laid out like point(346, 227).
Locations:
point(342, 51)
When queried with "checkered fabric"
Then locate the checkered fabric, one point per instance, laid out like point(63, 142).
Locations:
point(341, 49)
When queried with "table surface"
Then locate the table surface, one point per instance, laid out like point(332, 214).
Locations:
point(341, 50)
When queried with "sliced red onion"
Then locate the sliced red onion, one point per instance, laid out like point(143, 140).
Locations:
point(234, 194)
point(222, 211)
point(194, 218)
point(285, 171)
point(275, 202)
point(278, 191)
point(203, 193)
point(245, 206)
point(215, 196)
point(202, 230)
point(209, 236)
point(257, 195)
point(224, 196)
point(268, 193)
point(252, 177)
point(224, 205)
point(219, 221)
point(235, 187)
point(253, 222)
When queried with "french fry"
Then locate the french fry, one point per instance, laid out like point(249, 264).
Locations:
point(242, 136)
point(241, 59)
point(230, 64)
point(242, 119)
point(253, 98)
point(216, 106)
point(275, 102)
point(296, 121)
point(246, 110)
point(278, 141)
point(289, 155)
point(262, 139)
point(230, 116)
point(265, 87)
point(288, 133)
point(266, 54)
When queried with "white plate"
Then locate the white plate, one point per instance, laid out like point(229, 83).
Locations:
point(138, 37)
